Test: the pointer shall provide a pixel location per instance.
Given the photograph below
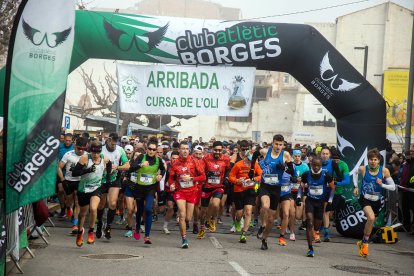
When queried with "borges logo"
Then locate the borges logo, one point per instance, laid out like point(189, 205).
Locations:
point(325, 69)
point(59, 37)
point(154, 38)
point(328, 83)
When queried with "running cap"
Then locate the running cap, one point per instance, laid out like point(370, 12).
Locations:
point(129, 148)
point(198, 148)
point(297, 152)
point(124, 139)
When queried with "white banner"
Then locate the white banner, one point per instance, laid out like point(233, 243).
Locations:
point(185, 90)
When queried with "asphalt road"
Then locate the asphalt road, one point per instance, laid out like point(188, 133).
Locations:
point(219, 253)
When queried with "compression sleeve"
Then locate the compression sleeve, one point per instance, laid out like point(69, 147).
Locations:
point(331, 196)
point(345, 181)
point(389, 184)
point(108, 171)
point(80, 169)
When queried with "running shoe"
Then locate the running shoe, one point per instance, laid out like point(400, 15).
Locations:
point(278, 227)
point(184, 243)
point(303, 226)
point(255, 222)
point(219, 221)
point(316, 237)
point(79, 238)
point(195, 228)
point(69, 213)
point(74, 230)
point(233, 228)
point(259, 234)
point(147, 240)
point(62, 213)
point(142, 228)
point(243, 238)
point(201, 234)
point(91, 237)
point(165, 230)
point(282, 241)
point(292, 237)
point(363, 249)
point(154, 218)
point(137, 235)
point(128, 233)
point(212, 225)
point(326, 238)
point(310, 254)
point(107, 233)
point(237, 225)
point(99, 230)
point(264, 245)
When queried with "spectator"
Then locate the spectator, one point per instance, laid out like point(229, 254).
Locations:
point(407, 181)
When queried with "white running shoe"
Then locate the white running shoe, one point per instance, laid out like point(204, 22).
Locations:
point(166, 231)
point(292, 237)
point(233, 228)
point(142, 227)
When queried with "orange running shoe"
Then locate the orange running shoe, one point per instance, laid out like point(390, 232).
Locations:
point(74, 230)
point(79, 238)
point(316, 237)
point(91, 237)
point(282, 241)
point(69, 213)
point(363, 249)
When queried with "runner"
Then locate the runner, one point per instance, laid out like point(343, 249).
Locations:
point(110, 190)
point(183, 175)
point(375, 178)
point(91, 168)
point(316, 183)
point(168, 195)
point(71, 183)
point(143, 185)
point(216, 166)
point(244, 191)
point(129, 200)
point(300, 168)
point(198, 154)
point(273, 166)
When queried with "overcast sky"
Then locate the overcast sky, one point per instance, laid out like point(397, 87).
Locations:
point(299, 11)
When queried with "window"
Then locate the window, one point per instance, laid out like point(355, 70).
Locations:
point(286, 78)
point(260, 94)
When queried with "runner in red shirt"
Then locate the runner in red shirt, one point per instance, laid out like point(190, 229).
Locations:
point(183, 174)
point(198, 154)
point(216, 166)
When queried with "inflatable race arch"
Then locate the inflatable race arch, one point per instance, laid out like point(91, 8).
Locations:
point(51, 39)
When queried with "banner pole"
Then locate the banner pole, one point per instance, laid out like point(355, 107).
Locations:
point(410, 96)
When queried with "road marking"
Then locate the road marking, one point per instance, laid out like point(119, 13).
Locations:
point(215, 242)
point(239, 269)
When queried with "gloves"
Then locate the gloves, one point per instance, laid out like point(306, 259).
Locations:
point(251, 174)
point(290, 169)
point(298, 201)
point(280, 166)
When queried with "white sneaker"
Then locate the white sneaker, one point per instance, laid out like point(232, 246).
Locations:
point(142, 227)
point(233, 228)
point(166, 231)
point(292, 237)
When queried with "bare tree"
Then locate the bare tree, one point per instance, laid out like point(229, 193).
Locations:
point(8, 10)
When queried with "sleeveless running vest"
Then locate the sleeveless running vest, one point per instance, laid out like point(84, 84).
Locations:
point(270, 174)
point(146, 175)
point(317, 187)
point(91, 181)
point(370, 189)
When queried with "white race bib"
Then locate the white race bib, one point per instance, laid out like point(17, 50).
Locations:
point(146, 178)
point(186, 184)
point(213, 180)
point(284, 188)
point(271, 179)
point(295, 186)
point(372, 197)
point(133, 177)
point(316, 190)
point(248, 183)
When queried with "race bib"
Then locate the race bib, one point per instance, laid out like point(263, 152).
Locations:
point(271, 179)
point(133, 177)
point(146, 178)
point(316, 190)
point(213, 180)
point(295, 186)
point(285, 188)
point(186, 184)
point(248, 183)
point(372, 197)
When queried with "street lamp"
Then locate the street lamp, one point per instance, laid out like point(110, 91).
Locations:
point(365, 58)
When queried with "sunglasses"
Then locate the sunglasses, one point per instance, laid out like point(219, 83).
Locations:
point(152, 149)
point(217, 150)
